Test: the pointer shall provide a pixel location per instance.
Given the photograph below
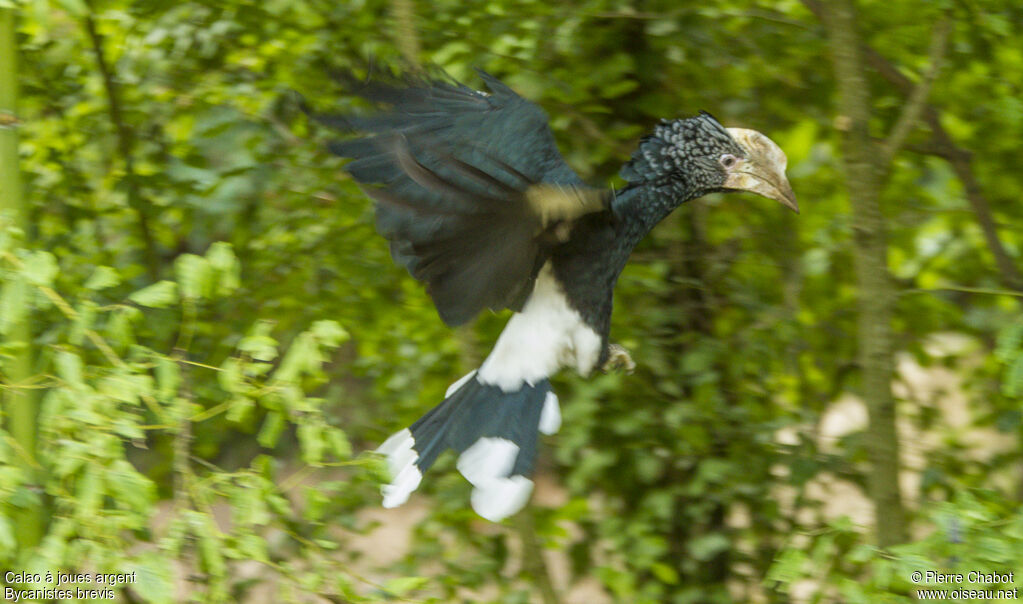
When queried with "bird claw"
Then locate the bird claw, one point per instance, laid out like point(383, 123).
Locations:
point(618, 359)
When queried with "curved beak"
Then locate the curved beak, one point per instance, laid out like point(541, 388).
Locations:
point(762, 171)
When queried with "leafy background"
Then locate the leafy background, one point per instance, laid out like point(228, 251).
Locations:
point(206, 332)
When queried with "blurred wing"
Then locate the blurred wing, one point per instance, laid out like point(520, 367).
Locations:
point(470, 188)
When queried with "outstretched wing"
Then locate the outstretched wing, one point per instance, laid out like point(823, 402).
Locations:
point(470, 188)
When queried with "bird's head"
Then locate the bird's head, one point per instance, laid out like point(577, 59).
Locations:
point(698, 156)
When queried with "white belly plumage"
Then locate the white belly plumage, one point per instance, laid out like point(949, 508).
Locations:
point(545, 336)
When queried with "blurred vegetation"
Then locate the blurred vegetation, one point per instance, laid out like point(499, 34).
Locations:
point(201, 330)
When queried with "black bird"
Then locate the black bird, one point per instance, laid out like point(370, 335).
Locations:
point(478, 204)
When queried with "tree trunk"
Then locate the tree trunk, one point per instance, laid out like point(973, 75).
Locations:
point(864, 180)
point(406, 38)
point(20, 407)
point(126, 147)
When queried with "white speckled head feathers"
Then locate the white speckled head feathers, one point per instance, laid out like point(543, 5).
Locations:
point(682, 154)
point(694, 156)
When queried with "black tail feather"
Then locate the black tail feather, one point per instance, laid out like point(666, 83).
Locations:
point(495, 434)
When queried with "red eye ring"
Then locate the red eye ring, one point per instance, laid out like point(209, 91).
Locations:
point(727, 160)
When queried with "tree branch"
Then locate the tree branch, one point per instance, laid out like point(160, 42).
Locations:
point(962, 288)
point(961, 164)
point(943, 146)
point(20, 405)
point(532, 557)
point(914, 105)
point(875, 338)
point(815, 7)
point(125, 145)
point(406, 38)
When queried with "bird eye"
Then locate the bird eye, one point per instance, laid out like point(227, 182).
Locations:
point(727, 160)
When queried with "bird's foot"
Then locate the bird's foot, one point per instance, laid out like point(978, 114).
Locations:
point(618, 359)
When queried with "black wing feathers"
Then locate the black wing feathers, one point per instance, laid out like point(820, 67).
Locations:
point(466, 187)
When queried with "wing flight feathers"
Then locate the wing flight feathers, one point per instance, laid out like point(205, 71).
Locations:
point(468, 186)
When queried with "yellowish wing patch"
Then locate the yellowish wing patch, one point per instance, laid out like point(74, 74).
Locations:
point(552, 203)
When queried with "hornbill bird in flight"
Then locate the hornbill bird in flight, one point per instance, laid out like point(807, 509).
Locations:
point(479, 205)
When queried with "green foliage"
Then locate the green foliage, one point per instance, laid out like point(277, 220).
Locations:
point(208, 417)
point(1010, 353)
point(975, 532)
point(106, 403)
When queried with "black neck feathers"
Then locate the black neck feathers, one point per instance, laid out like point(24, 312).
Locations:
point(638, 208)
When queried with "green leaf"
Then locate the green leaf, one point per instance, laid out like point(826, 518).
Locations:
point(41, 268)
point(225, 264)
point(230, 375)
point(195, 279)
point(302, 356)
point(8, 543)
point(661, 27)
point(69, 367)
point(1009, 342)
point(14, 304)
point(247, 505)
point(119, 326)
point(619, 582)
point(402, 585)
point(76, 8)
point(665, 573)
point(102, 278)
point(240, 409)
point(343, 584)
point(252, 547)
point(153, 578)
point(1013, 381)
point(82, 322)
point(258, 344)
point(168, 378)
point(126, 387)
point(707, 546)
point(787, 567)
point(339, 444)
point(89, 494)
point(129, 487)
point(310, 437)
point(273, 425)
point(210, 548)
point(158, 295)
point(329, 332)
